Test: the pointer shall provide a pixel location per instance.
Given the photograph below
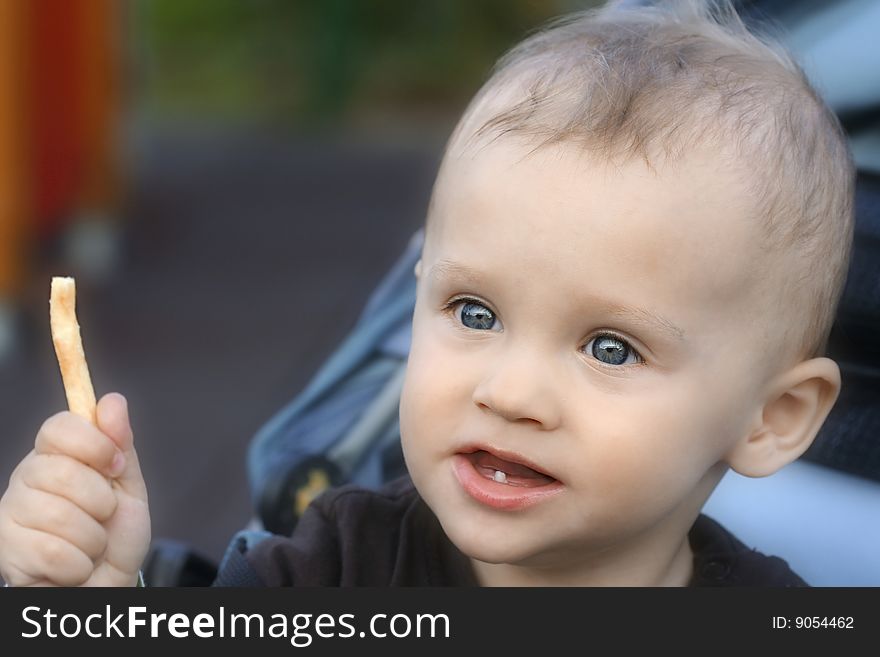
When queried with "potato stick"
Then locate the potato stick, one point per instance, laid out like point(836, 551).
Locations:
point(69, 350)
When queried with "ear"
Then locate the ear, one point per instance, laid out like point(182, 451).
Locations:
point(417, 270)
point(787, 423)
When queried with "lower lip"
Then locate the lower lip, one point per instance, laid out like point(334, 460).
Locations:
point(495, 494)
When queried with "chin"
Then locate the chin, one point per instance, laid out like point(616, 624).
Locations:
point(482, 544)
point(479, 536)
point(486, 552)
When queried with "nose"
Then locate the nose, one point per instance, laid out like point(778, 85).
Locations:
point(522, 386)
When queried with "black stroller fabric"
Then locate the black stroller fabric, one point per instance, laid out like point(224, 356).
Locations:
point(850, 438)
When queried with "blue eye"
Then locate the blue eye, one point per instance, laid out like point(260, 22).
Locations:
point(607, 348)
point(477, 316)
point(611, 350)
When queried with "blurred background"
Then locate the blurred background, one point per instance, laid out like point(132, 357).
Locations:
point(228, 181)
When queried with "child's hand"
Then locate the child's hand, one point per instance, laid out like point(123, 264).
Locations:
point(75, 512)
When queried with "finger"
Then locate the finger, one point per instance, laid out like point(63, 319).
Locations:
point(71, 435)
point(114, 421)
point(65, 477)
point(42, 556)
point(35, 509)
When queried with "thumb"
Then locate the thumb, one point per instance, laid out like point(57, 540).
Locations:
point(113, 420)
point(112, 415)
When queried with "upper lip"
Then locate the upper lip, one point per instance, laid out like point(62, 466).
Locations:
point(505, 454)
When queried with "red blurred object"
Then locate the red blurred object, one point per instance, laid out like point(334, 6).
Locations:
point(13, 148)
point(60, 111)
point(56, 143)
point(72, 92)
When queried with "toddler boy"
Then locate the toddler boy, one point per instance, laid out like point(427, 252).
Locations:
point(633, 255)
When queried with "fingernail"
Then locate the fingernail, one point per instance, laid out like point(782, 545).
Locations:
point(118, 464)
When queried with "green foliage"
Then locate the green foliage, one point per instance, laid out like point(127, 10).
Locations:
point(289, 61)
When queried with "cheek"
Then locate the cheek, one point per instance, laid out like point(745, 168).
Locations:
point(656, 444)
point(434, 391)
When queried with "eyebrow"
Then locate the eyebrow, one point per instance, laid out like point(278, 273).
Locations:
point(648, 318)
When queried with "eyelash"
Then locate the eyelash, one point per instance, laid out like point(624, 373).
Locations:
point(450, 305)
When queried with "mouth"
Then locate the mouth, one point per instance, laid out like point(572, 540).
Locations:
point(509, 469)
point(502, 480)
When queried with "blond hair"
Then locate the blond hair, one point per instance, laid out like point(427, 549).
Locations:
point(654, 82)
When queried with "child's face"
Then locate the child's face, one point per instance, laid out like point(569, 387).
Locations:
point(609, 338)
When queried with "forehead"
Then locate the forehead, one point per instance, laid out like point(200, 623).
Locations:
point(682, 237)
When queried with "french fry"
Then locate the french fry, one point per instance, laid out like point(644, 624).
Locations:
point(69, 350)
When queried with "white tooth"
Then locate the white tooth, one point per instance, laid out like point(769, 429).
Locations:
point(500, 477)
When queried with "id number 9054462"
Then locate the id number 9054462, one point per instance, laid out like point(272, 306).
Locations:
point(813, 622)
